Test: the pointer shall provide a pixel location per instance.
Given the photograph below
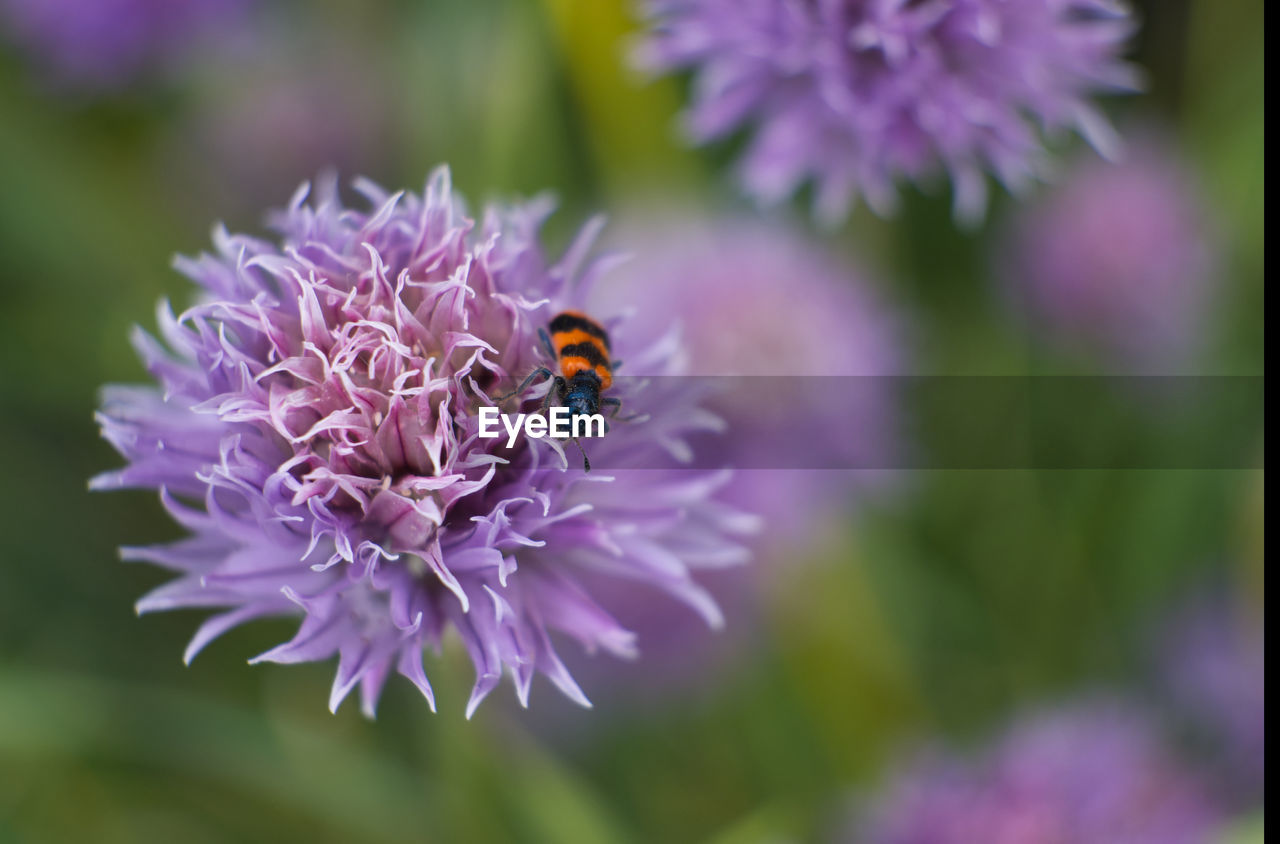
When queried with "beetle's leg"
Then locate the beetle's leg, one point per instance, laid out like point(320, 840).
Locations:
point(616, 404)
point(540, 371)
point(557, 391)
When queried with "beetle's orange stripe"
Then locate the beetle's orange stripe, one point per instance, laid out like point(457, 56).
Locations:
point(569, 321)
point(569, 338)
point(572, 365)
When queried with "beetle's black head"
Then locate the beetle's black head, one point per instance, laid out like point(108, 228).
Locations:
point(582, 394)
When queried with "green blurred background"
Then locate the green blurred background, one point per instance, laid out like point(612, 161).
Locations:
point(941, 611)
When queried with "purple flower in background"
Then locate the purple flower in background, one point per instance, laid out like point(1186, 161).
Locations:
point(1214, 665)
point(268, 117)
point(1094, 773)
point(856, 95)
point(1117, 261)
point(317, 433)
point(802, 348)
point(795, 349)
point(104, 44)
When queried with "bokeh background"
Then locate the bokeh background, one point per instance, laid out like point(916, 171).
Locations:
point(933, 610)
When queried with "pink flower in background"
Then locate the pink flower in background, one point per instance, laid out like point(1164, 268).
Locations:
point(265, 120)
point(798, 348)
point(1117, 261)
point(107, 44)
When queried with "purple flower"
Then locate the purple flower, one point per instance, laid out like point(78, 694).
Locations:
point(1214, 665)
point(1094, 773)
point(317, 433)
point(104, 44)
point(1116, 262)
point(856, 95)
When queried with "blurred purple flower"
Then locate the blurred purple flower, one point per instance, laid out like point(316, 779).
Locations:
point(271, 117)
point(796, 347)
point(104, 44)
point(1117, 261)
point(317, 434)
point(1094, 773)
point(856, 95)
point(803, 351)
point(1215, 664)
